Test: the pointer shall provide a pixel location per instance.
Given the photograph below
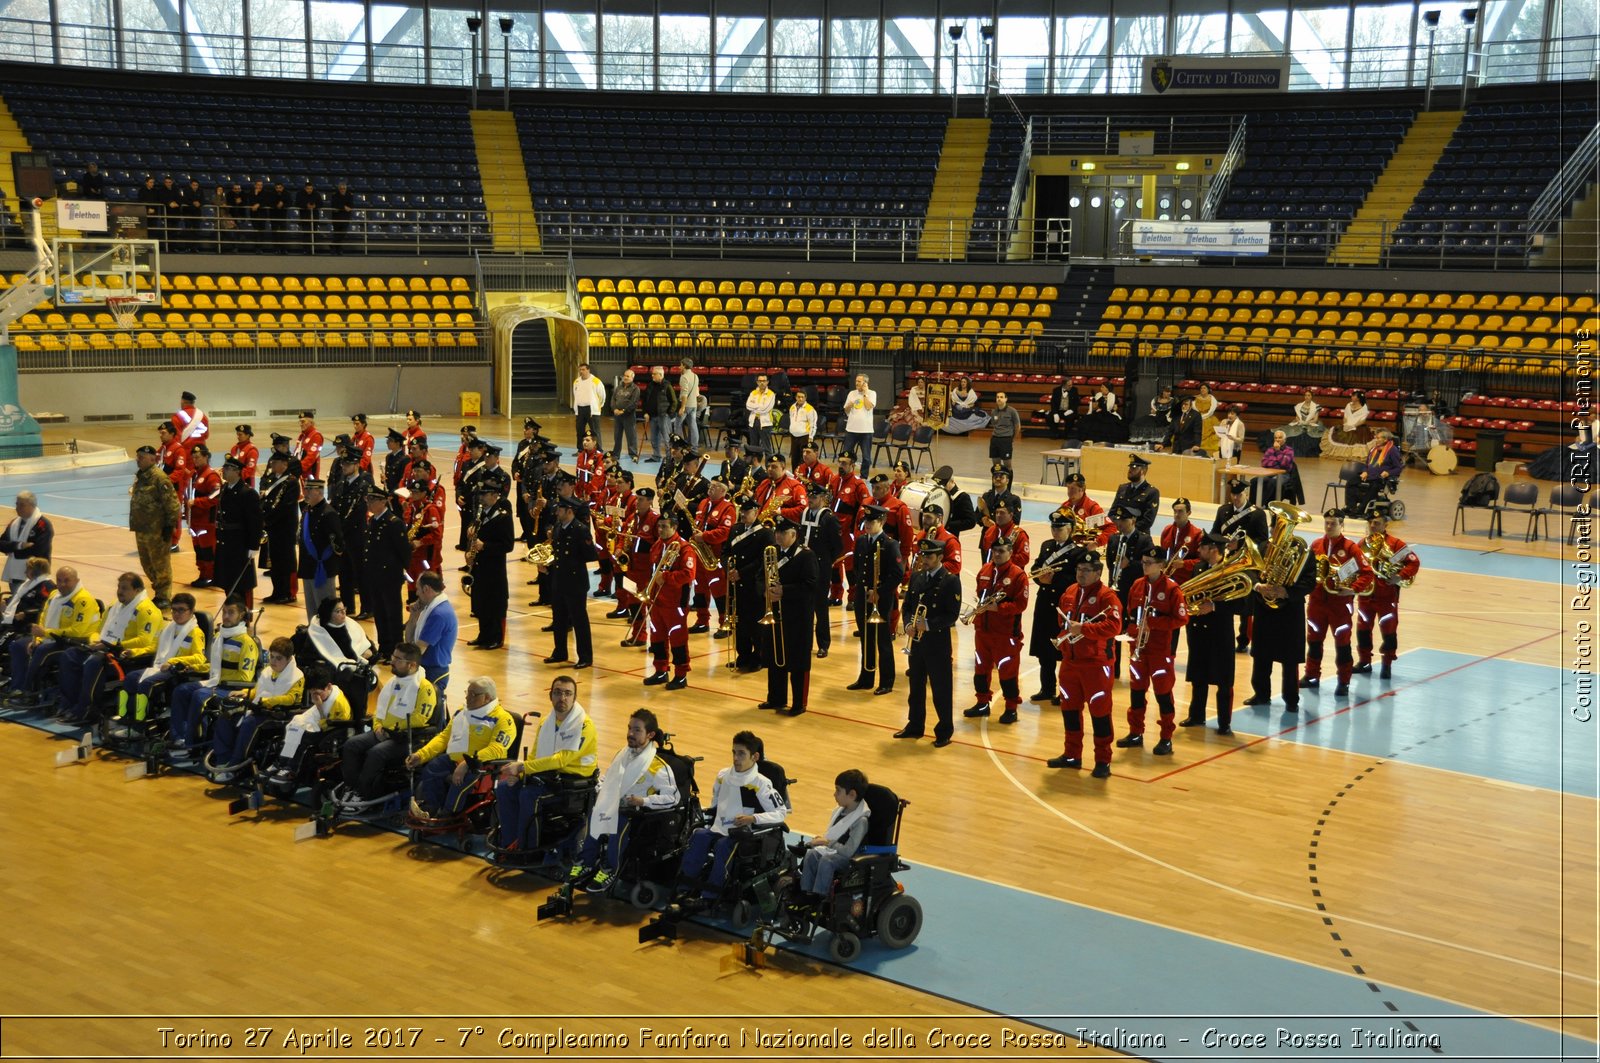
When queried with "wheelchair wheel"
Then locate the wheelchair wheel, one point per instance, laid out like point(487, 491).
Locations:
point(899, 921)
point(743, 916)
point(1397, 510)
point(644, 895)
point(844, 946)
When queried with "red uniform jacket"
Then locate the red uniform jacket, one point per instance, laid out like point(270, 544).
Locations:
point(1337, 552)
point(427, 547)
point(308, 452)
point(714, 522)
point(952, 549)
point(365, 442)
point(672, 592)
point(640, 541)
point(203, 507)
point(1167, 612)
point(1020, 555)
point(183, 419)
point(1006, 618)
point(1085, 605)
point(815, 472)
point(1185, 541)
point(1090, 510)
point(591, 473)
point(175, 463)
point(248, 455)
point(791, 492)
point(1409, 563)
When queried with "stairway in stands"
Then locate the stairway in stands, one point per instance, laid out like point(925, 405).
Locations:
point(505, 181)
point(1575, 243)
point(13, 140)
point(1363, 242)
point(955, 190)
point(1083, 298)
point(533, 369)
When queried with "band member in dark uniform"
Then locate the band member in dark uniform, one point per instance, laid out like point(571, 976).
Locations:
point(572, 548)
point(936, 595)
point(1139, 494)
point(1280, 637)
point(876, 575)
point(238, 532)
point(787, 642)
point(347, 494)
point(743, 557)
point(280, 516)
point(383, 568)
point(495, 533)
point(1000, 478)
point(1123, 551)
point(1054, 569)
point(1211, 660)
point(1237, 519)
point(819, 533)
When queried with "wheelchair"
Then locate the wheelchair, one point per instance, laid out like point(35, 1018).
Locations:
point(556, 832)
point(865, 900)
point(336, 801)
point(1384, 491)
point(147, 739)
point(355, 679)
point(265, 740)
point(749, 888)
point(655, 841)
point(476, 804)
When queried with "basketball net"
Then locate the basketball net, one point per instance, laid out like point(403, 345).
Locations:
point(123, 310)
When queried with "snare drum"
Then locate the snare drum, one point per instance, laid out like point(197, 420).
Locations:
point(919, 493)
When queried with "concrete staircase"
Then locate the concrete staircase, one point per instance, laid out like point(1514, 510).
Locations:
point(955, 191)
point(1365, 239)
point(506, 195)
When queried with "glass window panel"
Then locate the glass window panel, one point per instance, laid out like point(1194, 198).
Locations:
point(630, 44)
point(853, 55)
point(968, 58)
point(796, 55)
point(1259, 27)
point(1022, 54)
point(277, 38)
point(569, 50)
point(1510, 34)
point(1199, 27)
point(397, 52)
point(86, 33)
point(1378, 52)
point(524, 47)
point(25, 32)
point(338, 40)
point(1317, 39)
point(685, 53)
point(1081, 65)
point(216, 37)
point(1137, 30)
point(452, 47)
point(150, 39)
point(741, 54)
point(908, 55)
point(1573, 52)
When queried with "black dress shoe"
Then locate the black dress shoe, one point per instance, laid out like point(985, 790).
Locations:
point(1042, 695)
point(631, 643)
point(882, 691)
point(1064, 762)
point(1101, 771)
point(1192, 721)
point(656, 679)
point(940, 743)
point(615, 614)
point(1009, 716)
point(491, 645)
point(822, 653)
point(1256, 699)
point(860, 684)
point(835, 602)
point(1364, 668)
point(1310, 682)
point(1130, 742)
point(699, 629)
point(556, 660)
point(208, 583)
point(1384, 672)
point(793, 712)
point(548, 627)
point(906, 732)
point(980, 709)
point(679, 683)
point(1342, 690)
point(1225, 732)
point(722, 634)
point(1292, 706)
point(583, 664)
point(362, 616)
point(1162, 748)
point(772, 705)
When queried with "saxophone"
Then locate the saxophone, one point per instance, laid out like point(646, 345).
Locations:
point(770, 508)
point(416, 525)
point(474, 545)
point(1286, 552)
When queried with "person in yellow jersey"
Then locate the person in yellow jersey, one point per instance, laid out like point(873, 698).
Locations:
point(279, 687)
point(70, 617)
point(326, 708)
point(482, 731)
point(406, 705)
point(180, 650)
point(637, 779)
point(127, 639)
point(234, 657)
point(564, 751)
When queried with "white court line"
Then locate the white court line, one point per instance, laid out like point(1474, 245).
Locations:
point(1258, 898)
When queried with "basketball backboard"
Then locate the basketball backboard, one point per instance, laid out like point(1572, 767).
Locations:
point(88, 271)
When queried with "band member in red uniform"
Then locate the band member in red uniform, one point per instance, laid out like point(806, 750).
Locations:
point(640, 544)
point(1006, 527)
point(362, 440)
point(244, 451)
point(850, 493)
point(207, 487)
point(308, 448)
point(1180, 540)
point(713, 523)
point(901, 476)
point(1342, 573)
point(898, 522)
point(591, 469)
point(424, 517)
point(811, 470)
point(790, 492)
point(1394, 566)
point(1091, 617)
point(176, 463)
point(1089, 513)
point(932, 521)
point(997, 631)
point(191, 425)
point(1155, 613)
point(667, 624)
point(414, 429)
point(610, 517)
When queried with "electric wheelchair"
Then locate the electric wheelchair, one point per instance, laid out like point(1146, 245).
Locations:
point(475, 807)
point(122, 733)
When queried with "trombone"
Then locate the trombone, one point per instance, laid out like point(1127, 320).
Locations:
point(773, 617)
point(869, 637)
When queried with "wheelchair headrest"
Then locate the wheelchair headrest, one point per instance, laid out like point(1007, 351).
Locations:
point(776, 776)
point(885, 808)
point(202, 619)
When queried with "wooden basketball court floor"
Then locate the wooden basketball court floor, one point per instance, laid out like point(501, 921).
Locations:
point(1419, 857)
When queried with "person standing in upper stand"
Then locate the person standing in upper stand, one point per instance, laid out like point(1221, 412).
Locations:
point(203, 516)
point(758, 415)
point(588, 399)
point(936, 595)
point(820, 534)
point(802, 426)
point(572, 548)
point(1091, 617)
point(310, 203)
point(92, 185)
point(342, 207)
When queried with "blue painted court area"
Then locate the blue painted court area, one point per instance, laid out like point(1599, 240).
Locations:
point(1496, 718)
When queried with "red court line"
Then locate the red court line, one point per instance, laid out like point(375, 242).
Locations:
point(1353, 705)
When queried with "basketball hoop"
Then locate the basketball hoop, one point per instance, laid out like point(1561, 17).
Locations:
point(123, 309)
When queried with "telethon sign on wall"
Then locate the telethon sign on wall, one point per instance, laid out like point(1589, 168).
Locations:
point(1202, 237)
point(1179, 74)
point(81, 215)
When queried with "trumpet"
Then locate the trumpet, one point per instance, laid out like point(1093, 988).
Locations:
point(912, 633)
point(983, 599)
point(1175, 560)
point(1141, 632)
point(1061, 561)
point(1066, 624)
point(773, 617)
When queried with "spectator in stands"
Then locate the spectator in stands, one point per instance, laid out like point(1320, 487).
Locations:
point(688, 403)
point(1185, 435)
point(1006, 426)
point(625, 416)
point(1380, 472)
point(92, 185)
point(278, 215)
point(1280, 456)
point(1230, 436)
point(258, 205)
point(1102, 423)
point(1304, 433)
point(1157, 424)
point(803, 424)
point(858, 424)
point(239, 210)
point(310, 203)
point(1206, 405)
point(758, 407)
point(150, 197)
point(1348, 442)
point(964, 413)
point(342, 205)
point(28, 536)
point(1061, 410)
point(194, 208)
point(659, 404)
point(916, 400)
point(171, 211)
point(223, 214)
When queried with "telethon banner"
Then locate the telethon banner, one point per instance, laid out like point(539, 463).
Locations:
point(1202, 237)
point(1179, 75)
point(81, 215)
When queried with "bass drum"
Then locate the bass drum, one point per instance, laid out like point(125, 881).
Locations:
point(1441, 460)
point(919, 493)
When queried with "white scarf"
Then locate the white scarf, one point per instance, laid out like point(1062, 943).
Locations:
point(627, 768)
point(329, 649)
point(842, 821)
point(19, 532)
point(194, 427)
point(269, 685)
point(231, 632)
point(560, 735)
point(10, 615)
point(115, 625)
point(59, 603)
point(414, 628)
point(399, 699)
point(461, 727)
point(730, 803)
point(173, 639)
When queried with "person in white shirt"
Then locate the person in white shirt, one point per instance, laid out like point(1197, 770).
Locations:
point(689, 403)
point(858, 421)
point(588, 399)
point(1230, 436)
point(638, 779)
point(741, 797)
point(758, 415)
point(802, 426)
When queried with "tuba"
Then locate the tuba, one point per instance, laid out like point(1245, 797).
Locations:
point(1385, 562)
point(1234, 578)
point(1286, 552)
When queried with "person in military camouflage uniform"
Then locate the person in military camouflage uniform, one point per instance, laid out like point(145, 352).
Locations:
point(153, 513)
